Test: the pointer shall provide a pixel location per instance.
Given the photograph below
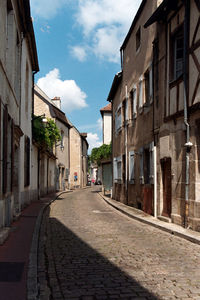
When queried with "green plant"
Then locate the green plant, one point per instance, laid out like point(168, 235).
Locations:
point(102, 152)
point(45, 135)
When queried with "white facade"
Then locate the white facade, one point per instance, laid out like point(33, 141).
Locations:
point(107, 127)
point(18, 60)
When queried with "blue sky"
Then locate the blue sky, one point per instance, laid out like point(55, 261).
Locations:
point(78, 45)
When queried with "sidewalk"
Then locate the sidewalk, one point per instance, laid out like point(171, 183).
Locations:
point(140, 216)
point(14, 253)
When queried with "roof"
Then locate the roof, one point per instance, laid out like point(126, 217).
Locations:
point(116, 81)
point(133, 24)
point(59, 115)
point(107, 108)
point(161, 12)
point(54, 111)
point(27, 24)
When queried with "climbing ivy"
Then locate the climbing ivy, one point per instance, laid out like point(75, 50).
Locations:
point(45, 135)
point(100, 153)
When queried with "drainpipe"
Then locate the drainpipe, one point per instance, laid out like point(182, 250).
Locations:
point(155, 180)
point(188, 144)
point(126, 148)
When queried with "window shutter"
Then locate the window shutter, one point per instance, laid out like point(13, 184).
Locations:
point(131, 166)
point(12, 155)
point(141, 151)
point(151, 163)
point(134, 103)
point(115, 168)
point(151, 84)
point(116, 121)
point(140, 93)
point(127, 110)
point(5, 148)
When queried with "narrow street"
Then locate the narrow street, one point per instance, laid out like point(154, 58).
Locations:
point(88, 250)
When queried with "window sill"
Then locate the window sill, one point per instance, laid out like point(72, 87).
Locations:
point(175, 82)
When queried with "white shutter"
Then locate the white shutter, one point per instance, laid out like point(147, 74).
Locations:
point(151, 84)
point(131, 166)
point(141, 151)
point(134, 103)
point(140, 93)
point(127, 110)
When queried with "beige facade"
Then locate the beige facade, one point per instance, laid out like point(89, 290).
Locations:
point(155, 102)
point(43, 105)
point(78, 158)
point(18, 61)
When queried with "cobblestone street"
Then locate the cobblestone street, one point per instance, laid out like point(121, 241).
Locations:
point(89, 251)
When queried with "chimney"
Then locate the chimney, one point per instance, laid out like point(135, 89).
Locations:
point(57, 102)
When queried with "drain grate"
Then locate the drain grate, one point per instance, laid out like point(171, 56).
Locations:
point(11, 271)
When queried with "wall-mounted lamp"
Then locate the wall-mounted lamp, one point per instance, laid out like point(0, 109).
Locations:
point(44, 119)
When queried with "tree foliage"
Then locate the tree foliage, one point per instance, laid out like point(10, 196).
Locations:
point(100, 153)
point(45, 135)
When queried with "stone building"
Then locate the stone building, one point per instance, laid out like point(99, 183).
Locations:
point(18, 63)
point(106, 164)
point(155, 100)
point(177, 116)
point(78, 158)
point(43, 105)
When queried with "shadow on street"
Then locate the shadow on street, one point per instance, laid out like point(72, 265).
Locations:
point(84, 273)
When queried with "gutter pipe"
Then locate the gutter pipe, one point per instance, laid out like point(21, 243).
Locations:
point(188, 144)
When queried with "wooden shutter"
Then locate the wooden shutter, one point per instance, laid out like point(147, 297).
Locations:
point(151, 176)
point(131, 166)
point(141, 151)
point(12, 155)
point(151, 84)
point(5, 148)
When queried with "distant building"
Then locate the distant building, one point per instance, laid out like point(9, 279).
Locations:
point(105, 170)
point(106, 113)
point(78, 158)
point(51, 108)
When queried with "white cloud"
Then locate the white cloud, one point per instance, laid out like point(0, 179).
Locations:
point(46, 9)
point(97, 126)
point(72, 97)
point(105, 24)
point(79, 53)
point(93, 140)
point(99, 123)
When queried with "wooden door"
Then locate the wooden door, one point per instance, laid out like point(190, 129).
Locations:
point(166, 177)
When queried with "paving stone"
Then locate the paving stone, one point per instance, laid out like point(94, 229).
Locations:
point(85, 255)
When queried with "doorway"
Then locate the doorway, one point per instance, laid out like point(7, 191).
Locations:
point(167, 189)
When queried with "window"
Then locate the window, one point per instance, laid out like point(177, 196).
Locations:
point(148, 86)
point(5, 149)
point(147, 164)
point(140, 93)
point(134, 102)
point(177, 55)
point(125, 110)
point(131, 166)
point(27, 161)
point(27, 89)
point(62, 140)
point(117, 166)
point(118, 119)
point(138, 38)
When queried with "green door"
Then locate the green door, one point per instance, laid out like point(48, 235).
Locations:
point(107, 176)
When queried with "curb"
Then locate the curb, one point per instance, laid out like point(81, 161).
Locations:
point(190, 236)
point(32, 284)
